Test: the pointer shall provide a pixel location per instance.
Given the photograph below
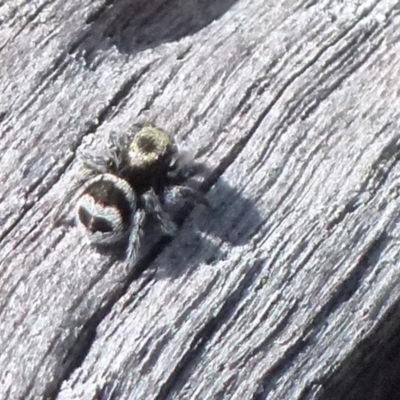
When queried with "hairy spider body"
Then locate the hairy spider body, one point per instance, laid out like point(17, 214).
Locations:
point(105, 208)
point(133, 183)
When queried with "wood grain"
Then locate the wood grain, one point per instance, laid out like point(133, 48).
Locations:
point(289, 287)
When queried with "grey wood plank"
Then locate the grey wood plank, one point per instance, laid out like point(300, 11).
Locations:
point(288, 288)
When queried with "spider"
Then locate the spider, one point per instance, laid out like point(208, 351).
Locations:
point(138, 180)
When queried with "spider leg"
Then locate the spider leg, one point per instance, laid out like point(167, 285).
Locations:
point(184, 193)
point(135, 237)
point(183, 167)
point(117, 142)
point(109, 160)
point(151, 204)
point(95, 164)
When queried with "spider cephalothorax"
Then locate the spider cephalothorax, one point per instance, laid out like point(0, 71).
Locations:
point(133, 183)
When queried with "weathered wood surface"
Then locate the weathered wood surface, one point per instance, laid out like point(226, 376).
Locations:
point(289, 288)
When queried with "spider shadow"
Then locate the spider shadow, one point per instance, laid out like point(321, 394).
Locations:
point(202, 236)
point(206, 233)
point(136, 25)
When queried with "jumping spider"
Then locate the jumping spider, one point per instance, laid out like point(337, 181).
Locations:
point(136, 181)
